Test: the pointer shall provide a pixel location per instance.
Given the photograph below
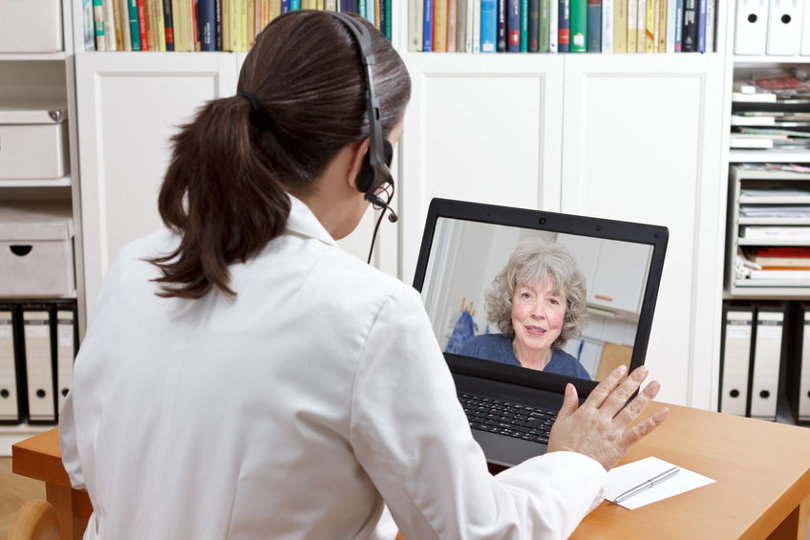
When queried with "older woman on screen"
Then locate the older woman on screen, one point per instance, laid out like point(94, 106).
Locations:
point(538, 303)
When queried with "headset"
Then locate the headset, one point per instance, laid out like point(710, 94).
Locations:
point(374, 172)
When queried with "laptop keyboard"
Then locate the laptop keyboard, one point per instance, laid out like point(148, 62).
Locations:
point(506, 418)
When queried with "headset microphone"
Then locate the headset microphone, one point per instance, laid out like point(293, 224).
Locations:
point(381, 204)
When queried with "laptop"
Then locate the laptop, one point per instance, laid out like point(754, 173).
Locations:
point(464, 248)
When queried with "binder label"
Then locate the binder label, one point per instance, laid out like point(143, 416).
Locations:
point(5, 329)
point(65, 336)
point(36, 329)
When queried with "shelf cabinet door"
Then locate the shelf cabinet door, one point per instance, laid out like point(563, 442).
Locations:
point(482, 128)
point(642, 142)
point(129, 107)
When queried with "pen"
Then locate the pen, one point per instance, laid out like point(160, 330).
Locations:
point(647, 484)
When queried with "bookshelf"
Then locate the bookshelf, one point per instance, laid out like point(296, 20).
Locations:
point(45, 80)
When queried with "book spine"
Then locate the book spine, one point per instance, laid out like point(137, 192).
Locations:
point(620, 26)
point(701, 26)
point(608, 12)
point(476, 35)
point(161, 24)
point(285, 5)
point(378, 19)
point(370, 16)
point(543, 26)
point(564, 26)
point(594, 26)
point(234, 26)
point(295, 5)
point(513, 26)
point(579, 26)
point(134, 25)
point(226, 23)
point(98, 25)
point(109, 25)
point(534, 25)
point(670, 45)
point(661, 32)
point(641, 21)
point(245, 26)
point(711, 22)
point(89, 25)
point(461, 26)
point(207, 24)
point(168, 24)
point(553, 26)
point(427, 27)
point(275, 10)
point(250, 23)
point(415, 13)
point(439, 25)
point(452, 13)
point(503, 25)
point(652, 14)
point(126, 39)
point(632, 25)
point(149, 23)
point(678, 25)
point(471, 38)
point(119, 27)
point(489, 26)
point(142, 25)
point(689, 26)
point(524, 25)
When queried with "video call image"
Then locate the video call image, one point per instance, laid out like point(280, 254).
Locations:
point(542, 300)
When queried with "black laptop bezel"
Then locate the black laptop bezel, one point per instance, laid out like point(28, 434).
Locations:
point(655, 236)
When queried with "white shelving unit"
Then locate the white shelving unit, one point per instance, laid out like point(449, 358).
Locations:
point(47, 79)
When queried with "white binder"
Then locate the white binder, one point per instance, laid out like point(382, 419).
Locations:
point(65, 352)
point(784, 27)
point(736, 358)
point(751, 27)
point(767, 359)
point(802, 398)
point(9, 400)
point(38, 365)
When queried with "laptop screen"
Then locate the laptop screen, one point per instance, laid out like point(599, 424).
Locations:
point(538, 296)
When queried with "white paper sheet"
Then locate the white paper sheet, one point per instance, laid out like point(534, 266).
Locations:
point(622, 478)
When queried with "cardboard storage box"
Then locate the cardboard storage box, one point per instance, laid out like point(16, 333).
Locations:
point(33, 142)
point(30, 26)
point(36, 250)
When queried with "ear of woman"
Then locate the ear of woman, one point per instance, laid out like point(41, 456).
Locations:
point(335, 199)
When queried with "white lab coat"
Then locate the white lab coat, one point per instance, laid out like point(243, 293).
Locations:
point(294, 410)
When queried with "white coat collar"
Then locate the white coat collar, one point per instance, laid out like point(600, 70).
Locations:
point(303, 222)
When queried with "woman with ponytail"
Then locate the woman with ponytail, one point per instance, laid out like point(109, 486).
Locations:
point(243, 377)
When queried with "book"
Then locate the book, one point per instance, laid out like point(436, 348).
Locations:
point(661, 31)
point(452, 14)
point(206, 22)
point(489, 26)
point(142, 25)
point(670, 26)
point(226, 23)
point(594, 26)
point(564, 26)
point(415, 13)
point(476, 20)
point(134, 25)
point(119, 26)
point(754, 232)
point(235, 25)
point(161, 24)
point(249, 26)
point(126, 39)
point(608, 13)
point(745, 141)
point(780, 258)
point(579, 26)
point(149, 23)
point(543, 26)
point(503, 24)
point(641, 23)
point(168, 25)
point(181, 21)
point(651, 21)
point(701, 26)
point(512, 26)
point(89, 25)
point(620, 26)
point(710, 25)
point(98, 24)
point(534, 26)
point(632, 25)
point(109, 24)
point(553, 26)
point(678, 25)
point(427, 25)
point(461, 26)
point(524, 25)
point(690, 30)
point(439, 25)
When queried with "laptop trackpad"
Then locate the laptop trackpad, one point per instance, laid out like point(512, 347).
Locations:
point(507, 451)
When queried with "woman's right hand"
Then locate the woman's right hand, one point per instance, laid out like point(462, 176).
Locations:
point(599, 427)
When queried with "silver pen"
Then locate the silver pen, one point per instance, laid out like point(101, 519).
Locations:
point(647, 484)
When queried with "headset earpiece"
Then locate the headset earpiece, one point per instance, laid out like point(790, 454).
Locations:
point(365, 177)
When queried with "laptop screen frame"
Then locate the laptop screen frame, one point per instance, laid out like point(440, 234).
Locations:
point(655, 236)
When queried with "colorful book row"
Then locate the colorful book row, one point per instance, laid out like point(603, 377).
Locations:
point(552, 26)
point(202, 25)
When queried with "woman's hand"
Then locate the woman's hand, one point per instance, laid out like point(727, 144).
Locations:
point(598, 428)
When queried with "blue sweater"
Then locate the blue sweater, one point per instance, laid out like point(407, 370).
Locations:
point(498, 348)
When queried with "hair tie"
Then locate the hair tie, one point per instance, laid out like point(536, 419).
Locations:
point(254, 100)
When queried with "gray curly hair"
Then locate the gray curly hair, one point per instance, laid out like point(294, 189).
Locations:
point(536, 260)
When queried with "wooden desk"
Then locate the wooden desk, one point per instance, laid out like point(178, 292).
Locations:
point(762, 471)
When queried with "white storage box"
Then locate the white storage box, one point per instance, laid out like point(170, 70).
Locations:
point(36, 250)
point(30, 26)
point(33, 142)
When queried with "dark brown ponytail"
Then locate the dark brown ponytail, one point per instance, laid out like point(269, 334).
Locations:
point(225, 188)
